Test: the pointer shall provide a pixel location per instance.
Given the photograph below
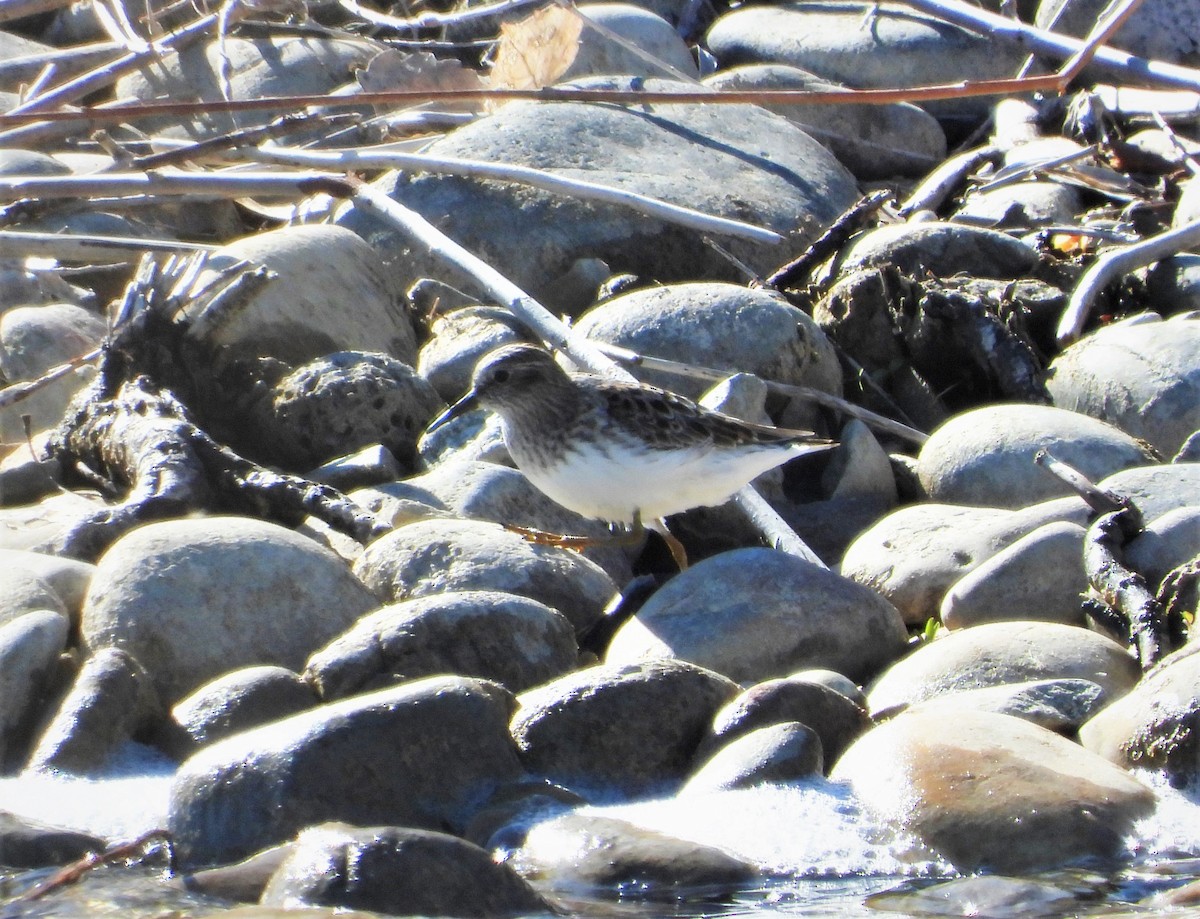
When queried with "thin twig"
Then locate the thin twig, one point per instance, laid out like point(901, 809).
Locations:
point(1107, 24)
point(90, 248)
point(431, 19)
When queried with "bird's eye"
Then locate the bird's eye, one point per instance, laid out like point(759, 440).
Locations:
point(500, 376)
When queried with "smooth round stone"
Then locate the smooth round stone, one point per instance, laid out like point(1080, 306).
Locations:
point(440, 555)
point(398, 871)
point(833, 680)
point(500, 494)
point(785, 752)
point(618, 729)
point(195, 598)
point(994, 793)
point(1157, 490)
point(1162, 30)
point(1022, 205)
point(1001, 653)
point(597, 850)
point(754, 614)
point(915, 554)
point(240, 700)
point(942, 249)
point(986, 456)
point(836, 720)
point(111, 702)
point(29, 844)
point(1057, 705)
point(29, 649)
point(755, 168)
point(722, 326)
point(342, 402)
point(1154, 725)
point(33, 339)
point(426, 754)
point(66, 578)
point(1142, 377)
point(16, 162)
point(458, 339)
point(647, 31)
point(1040, 576)
point(983, 895)
point(22, 591)
point(1173, 284)
point(873, 142)
point(1166, 543)
point(302, 314)
point(511, 640)
point(867, 47)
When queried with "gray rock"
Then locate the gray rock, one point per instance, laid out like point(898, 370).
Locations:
point(1155, 725)
point(601, 851)
point(1173, 284)
point(1039, 576)
point(398, 871)
point(67, 578)
point(985, 456)
point(836, 720)
point(873, 142)
point(899, 47)
point(618, 729)
point(1057, 705)
point(371, 465)
point(1166, 543)
point(832, 680)
point(457, 341)
point(943, 249)
point(330, 293)
point(1163, 30)
point(29, 647)
point(994, 793)
point(34, 339)
point(29, 844)
point(1143, 377)
point(983, 895)
point(1157, 490)
point(15, 162)
point(648, 32)
point(435, 556)
point(426, 754)
point(753, 614)
point(343, 401)
point(1021, 205)
point(111, 703)
point(783, 752)
point(514, 641)
point(22, 591)
point(241, 882)
point(195, 598)
point(756, 167)
point(240, 700)
point(1002, 653)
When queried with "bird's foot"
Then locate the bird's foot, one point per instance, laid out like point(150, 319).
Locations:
point(557, 540)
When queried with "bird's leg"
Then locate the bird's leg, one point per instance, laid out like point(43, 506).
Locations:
point(558, 540)
point(678, 552)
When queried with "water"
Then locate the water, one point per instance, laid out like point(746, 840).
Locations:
point(826, 857)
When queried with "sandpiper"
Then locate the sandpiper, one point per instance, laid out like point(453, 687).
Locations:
point(620, 452)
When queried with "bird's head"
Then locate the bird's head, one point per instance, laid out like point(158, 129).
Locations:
point(513, 379)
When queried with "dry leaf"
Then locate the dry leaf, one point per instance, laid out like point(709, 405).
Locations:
point(536, 51)
point(419, 71)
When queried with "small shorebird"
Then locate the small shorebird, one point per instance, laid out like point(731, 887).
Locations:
point(620, 452)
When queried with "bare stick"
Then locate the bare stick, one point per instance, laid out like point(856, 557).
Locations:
point(1106, 26)
point(945, 179)
point(1100, 500)
point(348, 160)
point(431, 19)
point(77, 870)
point(1114, 264)
point(110, 250)
point(212, 185)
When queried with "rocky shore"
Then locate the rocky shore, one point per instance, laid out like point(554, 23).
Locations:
point(225, 536)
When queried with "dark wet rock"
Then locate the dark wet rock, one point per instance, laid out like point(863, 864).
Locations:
point(836, 719)
point(425, 754)
point(754, 614)
point(112, 701)
point(1022, 206)
point(511, 640)
point(596, 850)
point(783, 752)
point(1002, 653)
point(439, 555)
point(1058, 705)
point(242, 882)
point(330, 293)
point(29, 648)
point(240, 700)
point(756, 168)
point(619, 729)
point(941, 249)
point(873, 142)
point(985, 456)
point(992, 792)
point(1039, 576)
point(399, 871)
point(1173, 284)
point(192, 599)
point(1140, 375)
point(28, 844)
point(1156, 724)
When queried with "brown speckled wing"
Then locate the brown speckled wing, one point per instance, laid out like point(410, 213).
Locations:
point(670, 422)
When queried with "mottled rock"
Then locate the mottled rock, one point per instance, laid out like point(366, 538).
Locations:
point(511, 640)
point(754, 614)
point(67, 578)
point(992, 792)
point(192, 599)
point(1000, 653)
point(1162, 30)
point(22, 591)
point(618, 729)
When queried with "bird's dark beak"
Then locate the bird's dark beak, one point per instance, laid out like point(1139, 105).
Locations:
point(461, 407)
